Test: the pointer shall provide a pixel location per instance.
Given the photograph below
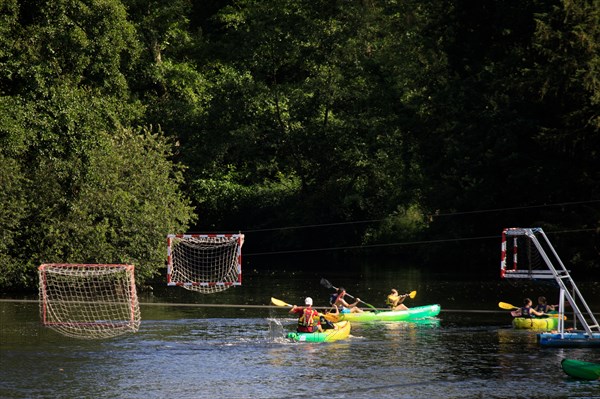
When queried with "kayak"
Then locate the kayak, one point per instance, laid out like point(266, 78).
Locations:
point(580, 369)
point(341, 331)
point(536, 323)
point(419, 312)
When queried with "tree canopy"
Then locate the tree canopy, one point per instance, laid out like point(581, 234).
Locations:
point(378, 121)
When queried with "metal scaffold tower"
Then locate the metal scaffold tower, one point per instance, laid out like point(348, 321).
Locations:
point(532, 243)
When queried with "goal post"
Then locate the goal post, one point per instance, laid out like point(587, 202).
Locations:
point(533, 257)
point(204, 263)
point(89, 300)
point(524, 254)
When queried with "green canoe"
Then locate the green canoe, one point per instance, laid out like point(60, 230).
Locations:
point(580, 369)
point(341, 331)
point(419, 312)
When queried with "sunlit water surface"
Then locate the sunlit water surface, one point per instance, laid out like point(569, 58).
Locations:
point(196, 352)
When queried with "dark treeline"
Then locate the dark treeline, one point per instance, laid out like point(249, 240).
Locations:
point(383, 122)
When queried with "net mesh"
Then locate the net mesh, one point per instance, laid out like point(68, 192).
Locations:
point(205, 263)
point(89, 301)
point(523, 261)
point(526, 256)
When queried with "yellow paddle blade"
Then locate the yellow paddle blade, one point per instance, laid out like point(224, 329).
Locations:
point(279, 302)
point(507, 306)
point(412, 294)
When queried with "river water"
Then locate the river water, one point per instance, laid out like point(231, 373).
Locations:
point(186, 349)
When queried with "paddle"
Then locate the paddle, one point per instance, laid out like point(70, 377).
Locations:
point(331, 317)
point(411, 295)
point(327, 284)
point(508, 306)
point(279, 302)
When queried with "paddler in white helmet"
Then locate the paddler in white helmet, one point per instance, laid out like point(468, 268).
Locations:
point(308, 320)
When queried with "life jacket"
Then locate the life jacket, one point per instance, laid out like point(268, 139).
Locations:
point(326, 324)
point(333, 298)
point(542, 308)
point(308, 321)
point(391, 300)
point(525, 312)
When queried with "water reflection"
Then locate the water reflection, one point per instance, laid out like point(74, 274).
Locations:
point(197, 352)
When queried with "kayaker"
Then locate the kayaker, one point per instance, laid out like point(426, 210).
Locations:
point(394, 300)
point(543, 306)
point(329, 318)
point(337, 299)
point(527, 311)
point(308, 321)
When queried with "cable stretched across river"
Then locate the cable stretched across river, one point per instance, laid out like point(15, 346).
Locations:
point(250, 306)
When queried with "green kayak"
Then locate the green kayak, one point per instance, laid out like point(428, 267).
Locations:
point(419, 312)
point(341, 331)
point(580, 369)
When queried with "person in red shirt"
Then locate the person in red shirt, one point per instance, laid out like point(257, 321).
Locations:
point(308, 320)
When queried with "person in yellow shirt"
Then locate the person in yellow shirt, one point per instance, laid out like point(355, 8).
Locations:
point(394, 300)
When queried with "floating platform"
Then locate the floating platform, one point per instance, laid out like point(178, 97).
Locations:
point(575, 339)
point(590, 335)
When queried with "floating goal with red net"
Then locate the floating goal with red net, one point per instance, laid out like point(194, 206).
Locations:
point(204, 263)
point(89, 300)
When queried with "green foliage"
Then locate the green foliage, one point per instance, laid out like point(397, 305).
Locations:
point(81, 184)
point(567, 39)
point(89, 43)
point(12, 212)
point(281, 113)
point(86, 195)
point(398, 227)
point(13, 195)
point(311, 104)
point(126, 203)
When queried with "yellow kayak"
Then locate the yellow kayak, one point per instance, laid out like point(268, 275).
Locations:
point(341, 331)
point(536, 323)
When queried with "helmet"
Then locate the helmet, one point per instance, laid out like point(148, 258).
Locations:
point(308, 301)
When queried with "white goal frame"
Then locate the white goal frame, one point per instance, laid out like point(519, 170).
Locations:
point(554, 269)
point(214, 263)
point(88, 300)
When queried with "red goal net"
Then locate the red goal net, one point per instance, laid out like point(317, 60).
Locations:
point(88, 300)
point(204, 263)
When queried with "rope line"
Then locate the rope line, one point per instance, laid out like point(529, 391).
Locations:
point(396, 244)
point(246, 306)
point(431, 215)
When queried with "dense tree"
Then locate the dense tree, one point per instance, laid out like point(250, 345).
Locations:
point(567, 84)
point(502, 132)
point(421, 115)
point(304, 123)
point(79, 184)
